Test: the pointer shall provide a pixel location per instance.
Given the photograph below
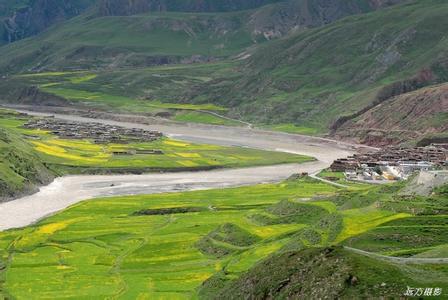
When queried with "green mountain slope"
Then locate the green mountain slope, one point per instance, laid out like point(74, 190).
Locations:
point(125, 7)
point(20, 168)
point(290, 69)
point(324, 273)
point(313, 77)
point(104, 40)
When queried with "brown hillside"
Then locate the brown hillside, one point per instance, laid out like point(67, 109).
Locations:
point(408, 116)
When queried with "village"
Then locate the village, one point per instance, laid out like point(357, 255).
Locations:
point(99, 133)
point(392, 163)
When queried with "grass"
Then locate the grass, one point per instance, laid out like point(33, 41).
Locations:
point(301, 83)
point(292, 128)
point(201, 117)
point(331, 272)
point(208, 35)
point(357, 221)
point(124, 103)
point(408, 237)
point(20, 168)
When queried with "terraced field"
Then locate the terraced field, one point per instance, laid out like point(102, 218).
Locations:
point(95, 90)
point(166, 246)
point(159, 246)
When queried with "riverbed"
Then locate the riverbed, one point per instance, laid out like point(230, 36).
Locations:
point(68, 190)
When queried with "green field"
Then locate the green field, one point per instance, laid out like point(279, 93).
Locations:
point(175, 154)
point(132, 255)
point(165, 246)
point(163, 86)
point(291, 128)
point(202, 117)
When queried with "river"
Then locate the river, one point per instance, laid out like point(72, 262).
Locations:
point(68, 190)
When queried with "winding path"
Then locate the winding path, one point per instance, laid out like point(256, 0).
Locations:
point(403, 260)
point(68, 190)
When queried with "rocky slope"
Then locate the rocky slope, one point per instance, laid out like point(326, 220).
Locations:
point(21, 19)
point(405, 117)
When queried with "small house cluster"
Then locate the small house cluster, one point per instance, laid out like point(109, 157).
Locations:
point(392, 163)
point(97, 132)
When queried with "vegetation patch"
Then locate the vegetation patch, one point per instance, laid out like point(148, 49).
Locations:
point(226, 239)
point(167, 211)
point(404, 237)
point(20, 167)
point(292, 212)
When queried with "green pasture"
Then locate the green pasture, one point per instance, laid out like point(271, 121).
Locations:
point(292, 128)
point(203, 117)
point(151, 91)
point(121, 102)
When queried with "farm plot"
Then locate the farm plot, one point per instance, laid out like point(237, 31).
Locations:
point(84, 155)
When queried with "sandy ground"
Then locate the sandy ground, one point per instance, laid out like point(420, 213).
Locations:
point(68, 190)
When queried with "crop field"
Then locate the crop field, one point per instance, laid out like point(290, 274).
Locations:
point(121, 102)
point(291, 128)
point(74, 155)
point(175, 155)
point(90, 89)
point(151, 91)
point(165, 246)
point(158, 246)
point(203, 117)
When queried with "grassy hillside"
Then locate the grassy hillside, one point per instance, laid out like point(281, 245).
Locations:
point(328, 273)
point(303, 82)
point(312, 78)
point(105, 40)
point(208, 244)
point(124, 7)
point(20, 168)
point(158, 38)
